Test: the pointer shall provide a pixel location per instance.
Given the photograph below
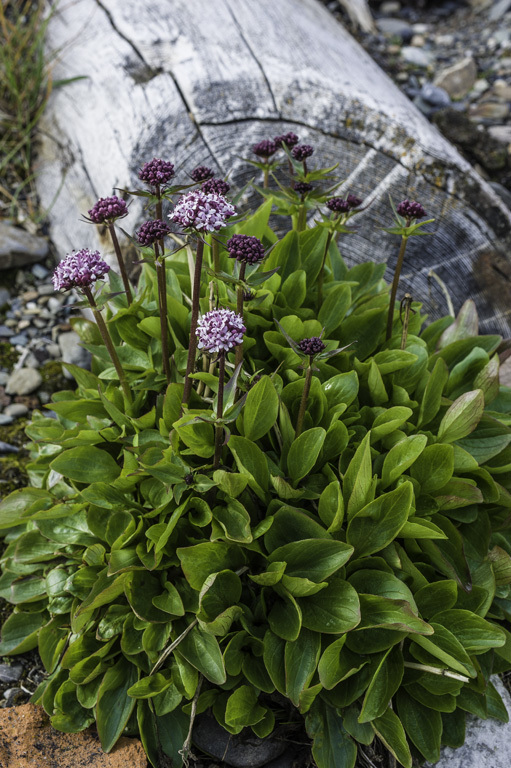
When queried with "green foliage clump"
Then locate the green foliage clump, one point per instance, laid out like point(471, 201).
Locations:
point(359, 566)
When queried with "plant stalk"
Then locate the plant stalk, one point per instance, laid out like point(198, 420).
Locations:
point(266, 178)
point(107, 339)
point(192, 349)
point(302, 219)
point(162, 296)
point(437, 671)
point(321, 275)
point(215, 251)
point(120, 261)
point(395, 283)
point(239, 310)
point(219, 430)
point(303, 401)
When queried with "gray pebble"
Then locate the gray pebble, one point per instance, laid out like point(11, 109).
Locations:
point(45, 290)
point(437, 97)
point(417, 56)
point(39, 271)
point(14, 696)
point(5, 297)
point(24, 381)
point(5, 332)
point(18, 248)
point(5, 420)
point(16, 410)
point(3, 378)
point(72, 352)
point(19, 339)
point(10, 674)
point(7, 448)
point(44, 398)
point(53, 350)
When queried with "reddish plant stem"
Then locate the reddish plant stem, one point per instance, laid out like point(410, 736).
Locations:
point(303, 401)
point(219, 430)
point(321, 275)
point(395, 283)
point(120, 261)
point(162, 300)
point(107, 339)
point(239, 310)
point(192, 349)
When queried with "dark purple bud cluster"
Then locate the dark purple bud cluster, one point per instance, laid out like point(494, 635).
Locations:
point(289, 139)
point(409, 209)
point(108, 209)
point(312, 346)
point(354, 201)
point(79, 270)
point(265, 148)
point(157, 172)
point(202, 173)
point(248, 295)
point(302, 152)
point(338, 205)
point(151, 231)
point(220, 330)
point(216, 187)
point(247, 248)
point(302, 187)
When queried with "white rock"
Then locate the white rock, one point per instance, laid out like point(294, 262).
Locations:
point(459, 79)
point(390, 7)
point(18, 247)
point(23, 381)
point(16, 410)
point(417, 56)
point(72, 352)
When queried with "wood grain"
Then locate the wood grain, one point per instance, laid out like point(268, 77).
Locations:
point(198, 82)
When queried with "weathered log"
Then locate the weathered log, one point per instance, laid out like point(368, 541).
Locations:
point(198, 82)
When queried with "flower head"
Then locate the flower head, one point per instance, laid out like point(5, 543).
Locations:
point(201, 173)
point(108, 209)
point(312, 346)
point(220, 330)
point(247, 248)
point(409, 209)
point(289, 139)
point(156, 172)
point(302, 187)
point(302, 151)
point(201, 211)
point(79, 269)
point(265, 148)
point(152, 230)
point(216, 186)
point(338, 205)
point(354, 201)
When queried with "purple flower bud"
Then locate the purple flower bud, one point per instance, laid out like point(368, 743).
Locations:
point(265, 148)
point(108, 209)
point(248, 295)
point(151, 231)
point(200, 211)
point(409, 209)
point(245, 248)
point(354, 201)
point(157, 172)
point(311, 346)
point(302, 187)
point(79, 269)
point(302, 152)
point(219, 331)
point(289, 139)
point(338, 205)
point(201, 173)
point(216, 187)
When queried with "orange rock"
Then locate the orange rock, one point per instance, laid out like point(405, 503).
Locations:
point(27, 740)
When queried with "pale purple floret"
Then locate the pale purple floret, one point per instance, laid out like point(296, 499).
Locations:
point(108, 209)
point(79, 269)
point(156, 172)
point(200, 211)
point(219, 331)
point(409, 209)
point(311, 346)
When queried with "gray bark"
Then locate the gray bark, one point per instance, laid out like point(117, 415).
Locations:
point(198, 82)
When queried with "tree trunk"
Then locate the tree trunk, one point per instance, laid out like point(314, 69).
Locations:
point(198, 82)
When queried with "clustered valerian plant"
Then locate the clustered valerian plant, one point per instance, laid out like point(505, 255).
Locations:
point(320, 513)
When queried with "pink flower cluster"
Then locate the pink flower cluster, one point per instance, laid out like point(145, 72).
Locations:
point(202, 212)
point(79, 269)
point(220, 330)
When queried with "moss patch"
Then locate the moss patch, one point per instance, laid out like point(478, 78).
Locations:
point(8, 355)
point(13, 465)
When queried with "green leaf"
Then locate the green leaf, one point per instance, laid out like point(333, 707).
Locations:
point(342, 388)
point(201, 560)
point(423, 725)
point(313, 559)
point(301, 660)
point(295, 289)
point(389, 420)
point(114, 706)
point(149, 686)
point(462, 417)
point(304, 453)
point(432, 398)
point(273, 656)
point(285, 616)
point(243, 708)
point(261, 409)
point(334, 610)
point(86, 464)
point(331, 745)
point(437, 596)
point(235, 521)
point(385, 682)
point(333, 309)
point(358, 478)
point(251, 462)
point(401, 456)
point(445, 646)
point(389, 729)
point(21, 504)
point(434, 467)
point(286, 255)
point(202, 651)
point(331, 670)
point(391, 614)
point(331, 506)
point(474, 633)
point(19, 632)
point(380, 521)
